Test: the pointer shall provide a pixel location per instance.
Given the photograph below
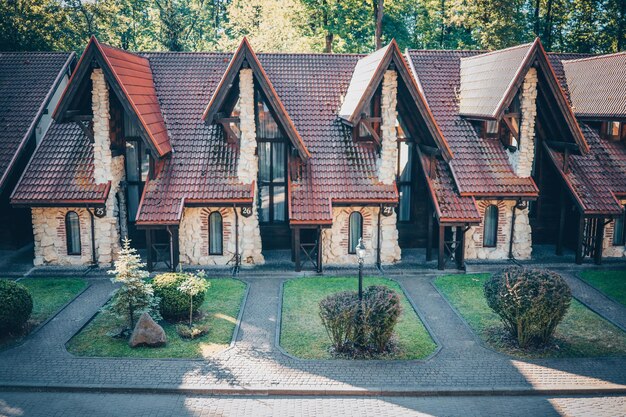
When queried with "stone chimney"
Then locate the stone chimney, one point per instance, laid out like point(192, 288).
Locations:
point(389, 150)
point(101, 146)
point(522, 160)
point(248, 165)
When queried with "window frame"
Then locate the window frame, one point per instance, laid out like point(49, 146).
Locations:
point(622, 241)
point(491, 207)
point(211, 231)
point(351, 246)
point(69, 233)
point(406, 182)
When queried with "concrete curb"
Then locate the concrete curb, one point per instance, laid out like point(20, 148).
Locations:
point(262, 391)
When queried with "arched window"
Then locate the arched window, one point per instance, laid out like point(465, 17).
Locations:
point(490, 227)
point(215, 233)
point(72, 233)
point(355, 231)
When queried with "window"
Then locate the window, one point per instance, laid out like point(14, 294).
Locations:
point(491, 128)
point(404, 179)
point(355, 231)
point(215, 233)
point(72, 233)
point(619, 230)
point(272, 152)
point(137, 170)
point(490, 227)
point(614, 130)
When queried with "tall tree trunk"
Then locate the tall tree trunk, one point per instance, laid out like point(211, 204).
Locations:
point(378, 19)
point(329, 35)
point(443, 23)
point(547, 34)
point(329, 42)
point(621, 27)
point(537, 3)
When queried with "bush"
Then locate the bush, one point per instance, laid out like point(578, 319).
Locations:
point(381, 311)
point(530, 303)
point(174, 304)
point(338, 313)
point(15, 307)
point(187, 332)
point(361, 329)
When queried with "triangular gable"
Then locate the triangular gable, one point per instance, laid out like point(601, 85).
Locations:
point(130, 77)
point(368, 74)
point(490, 81)
point(245, 53)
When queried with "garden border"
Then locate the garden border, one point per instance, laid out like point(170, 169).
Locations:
point(231, 345)
point(21, 341)
point(279, 321)
point(485, 345)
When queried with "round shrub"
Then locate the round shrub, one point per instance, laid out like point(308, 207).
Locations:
point(382, 310)
point(16, 305)
point(174, 304)
point(530, 303)
point(338, 313)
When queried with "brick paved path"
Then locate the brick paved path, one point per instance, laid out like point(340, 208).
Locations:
point(140, 405)
point(255, 364)
point(596, 300)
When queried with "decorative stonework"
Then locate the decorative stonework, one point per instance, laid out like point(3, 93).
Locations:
point(522, 242)
point(389, 148)
point(522, 160)
point(247, 169)
point(608, 249)
point(335, 239)
point(50, 238)
point(102, 145)
point(194, 236)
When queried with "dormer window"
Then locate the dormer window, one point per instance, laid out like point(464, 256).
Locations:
point(614, 130)
point(369, 125)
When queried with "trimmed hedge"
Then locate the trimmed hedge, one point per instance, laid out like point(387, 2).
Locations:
point(16, 306)
point(530, 303)
point(174, 304)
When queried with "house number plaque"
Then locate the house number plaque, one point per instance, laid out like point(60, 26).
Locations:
point(246, 211)
point(387, 211)
point(100, 212)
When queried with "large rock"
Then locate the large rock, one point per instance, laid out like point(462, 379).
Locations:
point(147, 333)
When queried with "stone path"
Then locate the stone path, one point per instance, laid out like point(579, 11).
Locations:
point(255, 365)
point(139, 405)
point(597, 301)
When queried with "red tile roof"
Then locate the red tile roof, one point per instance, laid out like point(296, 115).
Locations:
point(480, 166)
point(27, 82)
point(591, 98)
point(61, 171)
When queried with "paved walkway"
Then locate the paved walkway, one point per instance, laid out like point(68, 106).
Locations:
point(140, 405)
point(255, 365)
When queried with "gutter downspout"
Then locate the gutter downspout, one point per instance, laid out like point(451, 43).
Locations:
point(171, 247)
point(518, 206)
point(94, 262)
point(378, 263)
point(237, 259)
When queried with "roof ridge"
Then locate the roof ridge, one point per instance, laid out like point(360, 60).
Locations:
point(482, 51)
point(497, 51)
point(594, 57)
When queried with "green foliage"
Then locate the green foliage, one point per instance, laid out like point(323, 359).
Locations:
point(361, 327)
point(192, 332)
point(16, 306)
point(175, 304)
point(135, 296)
point(530, 303)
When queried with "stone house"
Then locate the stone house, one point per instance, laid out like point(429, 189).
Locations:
point(31, 84)
point(216, 158)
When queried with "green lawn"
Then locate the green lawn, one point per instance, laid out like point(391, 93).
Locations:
point(582, 333)
point(304, 336)
point(611, 283)
point(49, 295)
point(221, 308)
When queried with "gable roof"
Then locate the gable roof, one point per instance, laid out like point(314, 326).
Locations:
point(593, 99)
point(131, 78)
point(367, 76)
point(490, 81)
point(28, 81)
point(245, 53)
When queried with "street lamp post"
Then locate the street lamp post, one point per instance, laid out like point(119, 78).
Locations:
point(360, 254)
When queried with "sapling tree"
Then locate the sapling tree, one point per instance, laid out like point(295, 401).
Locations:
point(192, 285)
point(135, 296)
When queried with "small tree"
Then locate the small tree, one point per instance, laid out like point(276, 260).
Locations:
point(135, 295)
point(192, 285)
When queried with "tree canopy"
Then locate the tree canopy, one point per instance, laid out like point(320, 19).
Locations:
point(590, 26)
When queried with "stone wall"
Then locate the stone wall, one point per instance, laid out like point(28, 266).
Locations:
point(388, 160)
point(522, 159)
point(335, 239)
point(194, 236)
point(247, 169)
point(102, 144)
point(50, 238)
point(608, 249)
point(522, 243)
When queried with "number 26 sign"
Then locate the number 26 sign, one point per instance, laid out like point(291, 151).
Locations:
point(246, 211)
